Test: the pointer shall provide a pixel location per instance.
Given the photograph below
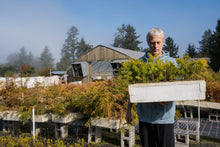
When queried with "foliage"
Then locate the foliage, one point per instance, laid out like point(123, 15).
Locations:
point(191, 50)
point(213, 91)
point(63, 64)
point(106, 98)
point(206, 44)
point(120, 36)
point(4, 70)
point(8, 73)
point(155, 70)
point(171, 47)
point(102, 99)
point(82, 48)
point(70, 44)
point(72, 49)
point(24, 140)
point(215, 51)
point(27, 70)
point(215, 75)
point(45, 71)
point(23, 57)
point(46, 59)
point(178, 114)
point(192, 69)
point(126, 38)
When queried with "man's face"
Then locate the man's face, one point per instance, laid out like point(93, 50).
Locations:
point(156, 44)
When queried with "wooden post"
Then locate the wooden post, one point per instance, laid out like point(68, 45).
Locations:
point(89, 71)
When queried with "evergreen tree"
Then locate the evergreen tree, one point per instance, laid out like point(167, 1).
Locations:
point(62, 65)
point(27, 70)
point(18, 59)
point(12, 59)
point(171, 47)
point(70, 45)
point(46, 59)
point(191, 50)
point(72, 49)
point(4, 69)
point(215, 51)
point(82, 48)
point(22, 57)
point(30, 59)
point(120, 36)
point(127, 38)
point(206, 43)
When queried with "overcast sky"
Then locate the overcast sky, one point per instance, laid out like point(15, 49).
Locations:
point(34, 24)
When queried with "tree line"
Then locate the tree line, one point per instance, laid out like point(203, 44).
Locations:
point(125, 37)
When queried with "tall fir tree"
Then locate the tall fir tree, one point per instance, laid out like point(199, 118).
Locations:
point(70, 45)
point(72, 49)
point(46, 59)
point(120, 36)
point(127, 38)
point(215, 51)
point(191, 50)
point(20, 58)
point(171, 47)
point(63, 63)
point(206, 43)
point(82, 48)
point(68, 52)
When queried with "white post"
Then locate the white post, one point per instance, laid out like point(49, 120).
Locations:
point(33, 122)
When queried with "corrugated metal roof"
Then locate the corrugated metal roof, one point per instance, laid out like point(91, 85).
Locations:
point(128, 52)
point(58, 72)
point(119, 61)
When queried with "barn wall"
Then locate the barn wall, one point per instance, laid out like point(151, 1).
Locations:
point(101, 53)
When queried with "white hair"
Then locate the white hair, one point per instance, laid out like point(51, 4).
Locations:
point(155, 31)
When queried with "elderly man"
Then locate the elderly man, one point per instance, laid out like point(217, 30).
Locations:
point(155, 119)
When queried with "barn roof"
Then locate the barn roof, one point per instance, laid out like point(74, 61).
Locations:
point(58, 72)
point(109, 53)
point(131, 53)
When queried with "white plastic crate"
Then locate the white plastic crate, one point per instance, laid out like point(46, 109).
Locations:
point(167, 91)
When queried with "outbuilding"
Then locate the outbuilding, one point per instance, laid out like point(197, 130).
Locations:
point(102, 62)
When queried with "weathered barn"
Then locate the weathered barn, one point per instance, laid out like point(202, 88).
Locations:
point(101, 62)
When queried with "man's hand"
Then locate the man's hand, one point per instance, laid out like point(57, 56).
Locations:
point(128, 117)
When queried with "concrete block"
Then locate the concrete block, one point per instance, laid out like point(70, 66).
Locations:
point(64, 131)
point(10, 115)
point(167, 91)
point(42, 118)
point(68, 118)
point(98, 134)
point(106, 123)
